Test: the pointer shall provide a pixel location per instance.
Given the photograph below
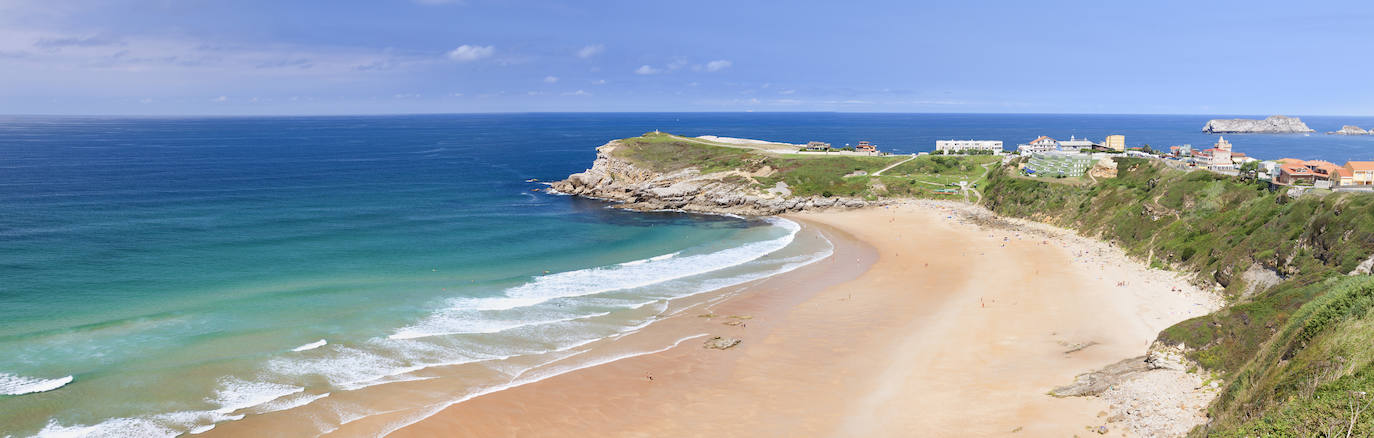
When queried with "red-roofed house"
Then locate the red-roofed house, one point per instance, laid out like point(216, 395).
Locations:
point(1294, 173)
point(1039, 145)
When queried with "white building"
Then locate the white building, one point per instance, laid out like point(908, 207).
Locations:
point(1039, 145)
point(956, 146)
point(1074, 144)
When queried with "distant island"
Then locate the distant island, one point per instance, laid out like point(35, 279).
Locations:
point(1270, 125)
point(1351, 130)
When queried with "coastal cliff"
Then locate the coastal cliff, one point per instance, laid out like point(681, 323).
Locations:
point(732, 191)
point(1270, 125)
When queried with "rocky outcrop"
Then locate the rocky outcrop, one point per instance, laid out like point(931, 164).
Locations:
point(732, 192)
point(1270, 125)
point(1351, 130)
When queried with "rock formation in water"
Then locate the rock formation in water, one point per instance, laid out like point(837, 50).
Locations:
point(731, 192)
point(1351, 130)
point(1270, 125)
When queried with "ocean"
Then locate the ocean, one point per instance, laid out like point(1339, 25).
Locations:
point(161, 276)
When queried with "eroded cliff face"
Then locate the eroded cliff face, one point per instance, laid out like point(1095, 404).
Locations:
point(732, 192)
point(1270, 125)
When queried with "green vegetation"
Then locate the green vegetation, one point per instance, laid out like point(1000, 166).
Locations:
point(1296, 356)
point(809, 174)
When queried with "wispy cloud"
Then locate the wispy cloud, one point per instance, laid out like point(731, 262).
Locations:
point(220, 99)
point(590, 51)
point(577, 93)
point(550, 79)
point(718, 65)
point(467, 53)
point(647, 70)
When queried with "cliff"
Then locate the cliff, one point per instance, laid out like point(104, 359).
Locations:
point(729, 191)
point(1270, 125)
point(1350, 130)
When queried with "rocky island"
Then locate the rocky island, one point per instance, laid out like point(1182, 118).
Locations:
point(1270, 125)
point(1351, 130)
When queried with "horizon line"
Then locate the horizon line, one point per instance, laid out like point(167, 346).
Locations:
point(401, 114)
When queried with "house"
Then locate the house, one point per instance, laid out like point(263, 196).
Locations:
point(1115, 142)
point(1361, 172)
point(865, 146)
point(957, 146)
point(1039, 145)
point(1323, 170)
point(818, 146)
point(1218, 157)
point(1075, 144)
point(1294, 173)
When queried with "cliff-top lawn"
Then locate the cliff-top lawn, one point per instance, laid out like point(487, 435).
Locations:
point(808, 175)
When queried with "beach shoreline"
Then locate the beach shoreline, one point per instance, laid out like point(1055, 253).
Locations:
point(955, 329)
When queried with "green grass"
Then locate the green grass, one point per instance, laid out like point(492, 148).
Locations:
point(806, 175)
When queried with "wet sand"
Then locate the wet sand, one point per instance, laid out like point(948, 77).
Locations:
point(953, 330)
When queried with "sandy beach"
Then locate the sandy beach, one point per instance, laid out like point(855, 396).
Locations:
point(922, 323)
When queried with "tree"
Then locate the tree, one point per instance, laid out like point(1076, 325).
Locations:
point(1249, 171)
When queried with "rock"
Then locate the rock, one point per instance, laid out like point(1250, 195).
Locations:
point(1168, 357)
point(1270, 125)
point(1350, 130)
point(721, 343)
point(1101, 430)
point(1105, 168)
point(729, 192)
point(1093, 383)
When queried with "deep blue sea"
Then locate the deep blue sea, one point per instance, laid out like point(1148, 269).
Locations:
point(163, 275)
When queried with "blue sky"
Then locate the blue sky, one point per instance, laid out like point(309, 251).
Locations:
point(425, 56)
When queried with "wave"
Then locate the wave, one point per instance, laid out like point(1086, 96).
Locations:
point(311, 346)
point(19, 385)
point(651, 259)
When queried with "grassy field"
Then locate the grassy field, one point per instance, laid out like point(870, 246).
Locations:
point(808, 175)
point(1290, 353)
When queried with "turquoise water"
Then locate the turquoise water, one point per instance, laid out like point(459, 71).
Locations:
point(169, 267)
point(162, 275)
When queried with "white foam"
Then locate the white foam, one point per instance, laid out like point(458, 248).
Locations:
point(458, 325)
point(19, 385)
point(285, 403)
point(459, 311)
point(235, 394)
point(651, 259)
point(311, 346)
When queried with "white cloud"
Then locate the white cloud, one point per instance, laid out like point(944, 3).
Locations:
point(577, 93)
point(647, 70)
point(677, 63)
point(456, 94)
point(550, 79)
point(590, 51)
point(693, 84)
point(599, 82)
point(220, 99)
point(145, 100)
point(787, 92)
point(466, 53)
point(718, 65)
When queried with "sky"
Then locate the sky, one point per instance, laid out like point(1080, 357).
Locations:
point(252, 57)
